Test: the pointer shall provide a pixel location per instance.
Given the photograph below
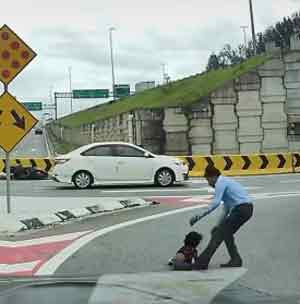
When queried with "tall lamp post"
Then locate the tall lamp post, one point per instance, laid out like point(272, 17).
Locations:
point(70, 87)
point(252, 26)
point(244, 27)
point(111, 29)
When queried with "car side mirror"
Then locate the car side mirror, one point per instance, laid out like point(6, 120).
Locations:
point(147, 155)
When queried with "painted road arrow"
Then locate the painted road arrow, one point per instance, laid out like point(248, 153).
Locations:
point(265, 162)
point(19, 122)
point(228, 163)
point(247, 161)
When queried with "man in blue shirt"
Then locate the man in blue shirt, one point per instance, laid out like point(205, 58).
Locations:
point(238, 209)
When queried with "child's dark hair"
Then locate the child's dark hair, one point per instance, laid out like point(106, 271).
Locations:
point(193, 239)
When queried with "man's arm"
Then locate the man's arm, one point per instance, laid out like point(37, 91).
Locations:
point(220, 189)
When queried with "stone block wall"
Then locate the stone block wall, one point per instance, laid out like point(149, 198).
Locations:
point(175, 125)
point(146, 129)
point(224, 121)
point(251, 114)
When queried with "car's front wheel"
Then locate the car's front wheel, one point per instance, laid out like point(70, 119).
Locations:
point(164, 177)
point(82, 180)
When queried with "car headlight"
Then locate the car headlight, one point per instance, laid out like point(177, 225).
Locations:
point(60, 161)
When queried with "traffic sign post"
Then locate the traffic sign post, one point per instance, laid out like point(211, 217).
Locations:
point(122, 90)
point(33, 106)
point(15, 120)
point(96, 93)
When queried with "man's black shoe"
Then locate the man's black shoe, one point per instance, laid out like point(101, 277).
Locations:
point(201, 264)
point(232, 263)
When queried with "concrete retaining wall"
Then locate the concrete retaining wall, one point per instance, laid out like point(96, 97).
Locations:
point(248, 115)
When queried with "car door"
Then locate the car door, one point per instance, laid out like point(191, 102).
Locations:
point(101, 162)
point(132, 165)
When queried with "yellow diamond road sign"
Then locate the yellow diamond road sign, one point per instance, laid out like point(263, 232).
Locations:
point(15, 122)
point(15, 54)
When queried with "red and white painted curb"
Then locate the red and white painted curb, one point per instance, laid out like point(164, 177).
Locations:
point(13, 224)
point(25, 258)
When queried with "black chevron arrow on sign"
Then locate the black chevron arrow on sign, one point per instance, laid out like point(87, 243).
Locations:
point(265, 162)
point(297, 158)
point(209, 161)
point(19, 121)
point(282, 160)
point(190, 162)
point(33, 163)
point(48, 165)
point(247, 161)
point(229, 163)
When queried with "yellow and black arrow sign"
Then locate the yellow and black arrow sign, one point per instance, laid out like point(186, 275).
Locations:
point(15, 122)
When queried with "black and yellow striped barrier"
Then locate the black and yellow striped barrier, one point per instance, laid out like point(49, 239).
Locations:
point(296, 162)
point(44, 164)
point(252, 164)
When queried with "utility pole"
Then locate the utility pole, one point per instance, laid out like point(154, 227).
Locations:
point(252, 26)
point(111, 29)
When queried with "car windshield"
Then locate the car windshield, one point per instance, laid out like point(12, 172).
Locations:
point(151, 148)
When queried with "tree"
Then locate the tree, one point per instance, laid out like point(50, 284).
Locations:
point(261, 47)
point(213, 62)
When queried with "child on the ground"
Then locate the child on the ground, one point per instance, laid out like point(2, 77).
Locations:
point(188, 253)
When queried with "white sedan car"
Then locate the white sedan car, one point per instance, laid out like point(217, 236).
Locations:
point(117, 163)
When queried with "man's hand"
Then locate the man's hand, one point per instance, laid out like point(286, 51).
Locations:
point(215, 229)
point(194, 219)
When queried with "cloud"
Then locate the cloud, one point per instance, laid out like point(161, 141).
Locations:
point(181, 34)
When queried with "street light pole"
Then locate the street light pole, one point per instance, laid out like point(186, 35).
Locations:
point(70, 87)
point(252, 26)
point(111, 29)
point(244, 27)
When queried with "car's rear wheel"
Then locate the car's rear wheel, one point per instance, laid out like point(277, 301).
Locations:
point(164, 177)
point(82, 180)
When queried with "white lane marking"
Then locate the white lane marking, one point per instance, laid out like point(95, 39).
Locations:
point(196, 181)
point(208, 189)
point(51, 265)
point(43, 240)
point(45, 138)
point(290, 181)
point(21, 267)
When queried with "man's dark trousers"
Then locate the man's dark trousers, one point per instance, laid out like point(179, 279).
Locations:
point(225, 232)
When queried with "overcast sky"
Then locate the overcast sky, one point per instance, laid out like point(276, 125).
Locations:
point(179, 33)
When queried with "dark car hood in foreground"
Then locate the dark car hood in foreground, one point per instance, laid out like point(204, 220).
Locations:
point(160, 287)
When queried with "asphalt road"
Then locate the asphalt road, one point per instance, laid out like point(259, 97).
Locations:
point(31, 146)
point(198, 186)
point(269, 243)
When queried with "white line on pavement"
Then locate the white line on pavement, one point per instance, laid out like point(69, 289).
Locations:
point(51, 266)
point(20, 267)
point(208, 189)
point(290, 181)
point(43, 240)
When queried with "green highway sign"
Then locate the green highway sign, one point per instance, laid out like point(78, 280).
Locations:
point(97, 93)
point(122, 90)
point(33, 106)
